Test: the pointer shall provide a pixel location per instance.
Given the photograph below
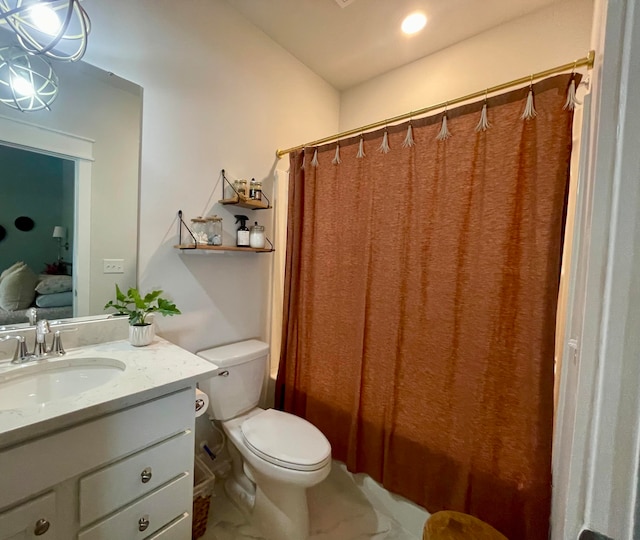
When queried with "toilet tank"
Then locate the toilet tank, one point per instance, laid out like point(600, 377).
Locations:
point(237, 385)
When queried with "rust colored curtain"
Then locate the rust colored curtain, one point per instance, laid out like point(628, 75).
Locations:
point(420, 300)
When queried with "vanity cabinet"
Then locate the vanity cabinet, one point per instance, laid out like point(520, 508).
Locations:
point(120, 483)
point(127, 475)
point(145, 516)
point(30, 519)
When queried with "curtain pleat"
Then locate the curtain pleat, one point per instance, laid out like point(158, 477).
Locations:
point(420, 295)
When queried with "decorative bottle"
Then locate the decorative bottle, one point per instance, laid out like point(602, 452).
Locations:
point(242, 234)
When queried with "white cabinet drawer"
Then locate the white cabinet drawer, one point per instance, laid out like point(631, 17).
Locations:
point(156, 510)
point(92, 444)
point(180, 529)
point(120, 483)
point(21, 522)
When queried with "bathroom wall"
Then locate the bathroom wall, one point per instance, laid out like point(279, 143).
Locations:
point(218, 94)
point(603, 458)
point(552, 36)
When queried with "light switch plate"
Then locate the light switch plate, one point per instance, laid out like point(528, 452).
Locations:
point(113, 266)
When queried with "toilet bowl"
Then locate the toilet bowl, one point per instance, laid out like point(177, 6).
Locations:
point(275, 455)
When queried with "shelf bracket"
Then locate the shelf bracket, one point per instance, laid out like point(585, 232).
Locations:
point(226, 181)
point(180, 225)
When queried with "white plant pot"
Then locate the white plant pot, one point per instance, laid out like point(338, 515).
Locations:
point(141, 335)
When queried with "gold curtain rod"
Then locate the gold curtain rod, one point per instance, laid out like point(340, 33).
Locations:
point(585, 61)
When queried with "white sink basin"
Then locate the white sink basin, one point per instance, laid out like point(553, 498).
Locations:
point(42, 382)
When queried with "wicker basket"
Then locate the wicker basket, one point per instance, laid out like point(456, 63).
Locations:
point(202, 492)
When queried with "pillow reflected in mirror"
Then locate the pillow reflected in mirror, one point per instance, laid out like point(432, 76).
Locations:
point(17, 287)
point(50, 284)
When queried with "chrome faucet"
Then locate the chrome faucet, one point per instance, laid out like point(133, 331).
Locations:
point(21, 353)
point(42, 329)
point(40, 351)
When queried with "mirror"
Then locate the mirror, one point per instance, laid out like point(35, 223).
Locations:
point(94, 125)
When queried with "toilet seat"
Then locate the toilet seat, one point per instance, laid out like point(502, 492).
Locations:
point(286, 440)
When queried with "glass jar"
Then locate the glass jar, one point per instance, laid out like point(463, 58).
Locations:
point(256, 236)
point(214, 230)
point(241, 188)
point(255, 190)
point(199, 230)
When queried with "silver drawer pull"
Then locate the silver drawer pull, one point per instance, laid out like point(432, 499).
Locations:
point(224, 373)
point(42, 526)
point(146, 475)
point(143, 523)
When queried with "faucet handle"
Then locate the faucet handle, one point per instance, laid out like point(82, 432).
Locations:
point(21, 352)
point(32, 315)
point(42, 329)
point(56, 346)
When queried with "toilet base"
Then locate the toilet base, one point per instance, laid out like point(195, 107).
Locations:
point(280, 510)
point(240, 497)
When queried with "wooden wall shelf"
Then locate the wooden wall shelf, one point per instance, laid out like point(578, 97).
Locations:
point(207, 247)
point(241, 199)
point(243, 202)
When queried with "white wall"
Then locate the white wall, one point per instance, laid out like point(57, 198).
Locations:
point(552, 36)
point(603, 484)
point(217, 94)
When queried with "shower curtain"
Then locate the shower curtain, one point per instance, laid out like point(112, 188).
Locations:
point(421, 285)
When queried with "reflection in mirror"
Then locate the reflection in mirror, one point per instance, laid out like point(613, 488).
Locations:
point(82, 161)
point(37, 190)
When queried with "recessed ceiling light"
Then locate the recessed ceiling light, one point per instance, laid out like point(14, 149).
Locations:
point(414, 23)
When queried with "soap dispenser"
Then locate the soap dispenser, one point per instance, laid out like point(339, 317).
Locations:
point(242, 234)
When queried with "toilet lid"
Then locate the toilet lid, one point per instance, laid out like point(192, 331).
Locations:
point(286, 440)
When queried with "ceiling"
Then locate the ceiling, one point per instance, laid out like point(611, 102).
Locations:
point(348, 42)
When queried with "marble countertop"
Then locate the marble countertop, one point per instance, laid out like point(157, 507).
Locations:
point(152, 371)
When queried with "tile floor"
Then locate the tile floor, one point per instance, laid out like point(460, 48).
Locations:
point(343, 507)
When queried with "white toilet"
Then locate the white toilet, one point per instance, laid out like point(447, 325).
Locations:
point(276, 456)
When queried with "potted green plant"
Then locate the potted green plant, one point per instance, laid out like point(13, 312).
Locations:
point(138, 308)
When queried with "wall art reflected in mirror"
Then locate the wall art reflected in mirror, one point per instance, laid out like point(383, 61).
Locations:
point(74, 171)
